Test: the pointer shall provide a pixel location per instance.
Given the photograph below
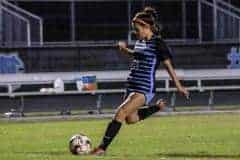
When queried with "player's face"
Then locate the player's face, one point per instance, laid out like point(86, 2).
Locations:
point(139, 30)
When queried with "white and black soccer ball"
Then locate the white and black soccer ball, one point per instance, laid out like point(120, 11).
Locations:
point(80, 144)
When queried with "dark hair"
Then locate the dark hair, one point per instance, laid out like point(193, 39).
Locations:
point(151, 11)
point(149, 16)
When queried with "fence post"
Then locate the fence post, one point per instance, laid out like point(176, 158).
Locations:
point(214, 20)
point(200, 21)
point(1, 27)
point(129, 21)
point(167, 85)
point(239, 30)
point(99, 104)
point(22, 106)
point(211, 100)
point(184, 21)
point(173, 101)
point(28, 34)
point(199, 85)
point(41, 32)
point(72, 25)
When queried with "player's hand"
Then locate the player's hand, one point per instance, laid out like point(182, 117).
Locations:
point(183, 92)
point(122, 45)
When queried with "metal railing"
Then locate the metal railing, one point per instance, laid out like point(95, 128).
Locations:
point(196, 76)
point(19, 27)
point(198, 21)
point(9, 27)
point(221, 21)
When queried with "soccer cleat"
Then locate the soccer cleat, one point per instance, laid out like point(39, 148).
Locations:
point(97, 152)
point(161, 104)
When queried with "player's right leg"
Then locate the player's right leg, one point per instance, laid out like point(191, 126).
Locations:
point(129, 106)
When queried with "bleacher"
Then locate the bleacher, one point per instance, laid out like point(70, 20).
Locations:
point(198, 77)
point(200, 50)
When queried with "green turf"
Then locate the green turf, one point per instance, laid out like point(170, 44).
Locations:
point(173, 137)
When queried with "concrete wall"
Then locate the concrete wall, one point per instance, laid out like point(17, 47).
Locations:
point(68, 59)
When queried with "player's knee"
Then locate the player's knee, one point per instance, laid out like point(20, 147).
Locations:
point(121, 115)
point(130, 121)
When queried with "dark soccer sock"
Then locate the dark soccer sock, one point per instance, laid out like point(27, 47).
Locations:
point(111, 132)
point(143, 113)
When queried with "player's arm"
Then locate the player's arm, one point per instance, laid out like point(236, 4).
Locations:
point(169, 67)
point(124, 49)
point(166, 57)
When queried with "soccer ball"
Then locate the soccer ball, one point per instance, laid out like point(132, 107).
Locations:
point(80, 144)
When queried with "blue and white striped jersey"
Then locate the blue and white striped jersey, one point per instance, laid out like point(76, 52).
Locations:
point(147, 57)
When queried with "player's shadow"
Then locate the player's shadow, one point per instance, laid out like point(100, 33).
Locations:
point(181, 155)
point(50, 153)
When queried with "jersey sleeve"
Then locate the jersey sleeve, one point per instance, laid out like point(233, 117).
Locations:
point(163, 51)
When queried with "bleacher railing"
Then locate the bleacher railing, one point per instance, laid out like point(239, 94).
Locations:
point(220, 21)
point(197, 77)
point(98, 22)
point(19, 27)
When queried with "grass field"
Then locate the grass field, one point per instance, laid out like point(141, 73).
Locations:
point(172, 137)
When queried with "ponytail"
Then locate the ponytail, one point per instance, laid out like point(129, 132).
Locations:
point(156, 27)
point(148, 16)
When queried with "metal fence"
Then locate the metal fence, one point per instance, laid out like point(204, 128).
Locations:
point(224, 18)
point(19, 35)
point(19, 27)
point(99, 21)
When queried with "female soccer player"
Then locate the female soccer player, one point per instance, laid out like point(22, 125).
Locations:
point(148, 52)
